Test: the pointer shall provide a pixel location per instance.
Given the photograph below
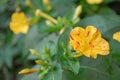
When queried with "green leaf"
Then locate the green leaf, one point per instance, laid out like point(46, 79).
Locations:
point(115, 73)
point(106, 11)
point(97, 69)
point(7, 55)
point(1, 63)
point(62, 9)
point(33, 76)
point(54, 74)
point(103, 22)
point(31, 39)
point(108, 1)
point(63, 39)
point(115, 51)
point(73, 65)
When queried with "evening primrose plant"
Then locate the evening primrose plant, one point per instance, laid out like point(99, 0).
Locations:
point(67, 44)
point(86, 42)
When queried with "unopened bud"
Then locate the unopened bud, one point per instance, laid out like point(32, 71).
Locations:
point(40, 62)
point(27, 71)
point(34, 52)
point(77, 11)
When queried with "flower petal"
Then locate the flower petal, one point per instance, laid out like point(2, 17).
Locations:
point(77, 38)
point(91, 33)
point(78, 54)
point(102, 48)
point(116, 36)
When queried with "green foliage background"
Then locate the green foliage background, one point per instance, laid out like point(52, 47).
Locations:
point(14, 49)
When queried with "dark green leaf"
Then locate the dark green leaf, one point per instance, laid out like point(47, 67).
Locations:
point(63, 39)
point(7, 55)
point(73, 65)
point(54, 74)
point(33, 76)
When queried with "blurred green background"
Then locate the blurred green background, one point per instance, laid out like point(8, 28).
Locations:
point(14, 49)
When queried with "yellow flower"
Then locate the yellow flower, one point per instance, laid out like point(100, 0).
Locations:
point(88, 42)
point(27, 71)
point(116, 36)
point(94, 1)
point(19, 23)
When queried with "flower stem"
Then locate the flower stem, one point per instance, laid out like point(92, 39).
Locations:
point(44, 15)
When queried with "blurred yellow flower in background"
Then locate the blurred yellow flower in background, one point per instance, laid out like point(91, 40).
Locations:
point(19, 23)
point(88, 42)
point(47, 4)
point(45, 1)
point(94, 1)
point(116, 36)
point(29, 3)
